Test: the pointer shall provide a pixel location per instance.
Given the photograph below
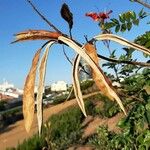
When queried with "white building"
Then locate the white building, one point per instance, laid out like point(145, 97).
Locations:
point(5, 86)
point(11, 94)
point(7, 89)
point(59, 86)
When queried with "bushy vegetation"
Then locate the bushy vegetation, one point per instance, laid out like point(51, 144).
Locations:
point(64, 129)
point(86, 84)
point(60, 99)
point(34, 143)
point(107, 140)
point(135, 128)
point(59, 132)
point(2, 105)
point(10, 116)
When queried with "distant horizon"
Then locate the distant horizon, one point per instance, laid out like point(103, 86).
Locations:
point(35, 85)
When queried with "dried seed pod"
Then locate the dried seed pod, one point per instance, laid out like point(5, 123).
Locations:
point(67, 15)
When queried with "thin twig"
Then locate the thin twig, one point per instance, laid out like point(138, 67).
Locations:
point(143, 3)
point(46, 20)
point(142, 64)
point(67, 56)
point(69, 95)
point(107, 44)
point(121, 92)
point(82, 67)
point(86, 38)
point(124, 61)
point(135, 147)
point(70, 33)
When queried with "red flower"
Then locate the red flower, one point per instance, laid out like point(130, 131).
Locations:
point(94, 16)
point(99, 17)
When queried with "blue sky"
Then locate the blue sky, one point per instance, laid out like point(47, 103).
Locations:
point(17, 15)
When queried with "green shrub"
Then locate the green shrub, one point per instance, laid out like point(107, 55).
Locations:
point(66, 122)
point(10, 116)
point(61, 130)
point(90, 107)
point(64, 128)
point(100, 140)
point(2, 105)
point(58, 133)
point(86, 84)
point(109, 109)
point(60, 99)
point(134, 134)
point(106, 140)
point(33, 143)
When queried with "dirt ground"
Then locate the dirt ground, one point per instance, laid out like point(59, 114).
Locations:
point(16, 133)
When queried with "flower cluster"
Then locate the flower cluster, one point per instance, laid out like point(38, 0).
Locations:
point(99, 16)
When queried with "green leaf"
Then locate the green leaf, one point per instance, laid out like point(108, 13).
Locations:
point(143, 41)
point(113, 54)
point(129, 26)
point(115, 21)
point(127, 16)
point(117, 28)
point(67, 15)
point(147, 45)
point(122, 123)
point(122, 18)
point(140, 13)
point(146, 55)
point(148, 106)
point(133, 15)
point(136, 22)
point(128, 51)
point(109, 25)
point(123, 27)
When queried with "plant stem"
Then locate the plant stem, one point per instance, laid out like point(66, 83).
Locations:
point(143, 3)
point(66, 56)
point(42, 16)
point(124, 61)
point(82, 67)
